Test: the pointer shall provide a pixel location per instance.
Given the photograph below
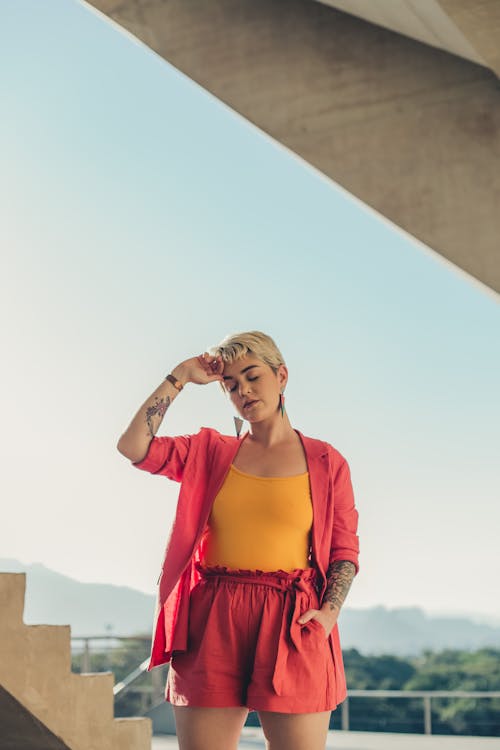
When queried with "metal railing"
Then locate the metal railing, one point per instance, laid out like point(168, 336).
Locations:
point(155, 690)
point(87, 639)
point(426, 695)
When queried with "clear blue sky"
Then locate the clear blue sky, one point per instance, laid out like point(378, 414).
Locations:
point(143, 220)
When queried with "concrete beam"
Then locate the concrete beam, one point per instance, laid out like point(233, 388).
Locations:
point(411, 130)
point(464, 28)
point(480, 23)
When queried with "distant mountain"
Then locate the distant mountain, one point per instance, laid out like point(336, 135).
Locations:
point(407, 631)
point(91, 608)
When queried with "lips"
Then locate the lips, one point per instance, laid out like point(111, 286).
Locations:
point(249, 404)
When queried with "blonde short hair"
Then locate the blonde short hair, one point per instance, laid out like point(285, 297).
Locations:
point(237, 345)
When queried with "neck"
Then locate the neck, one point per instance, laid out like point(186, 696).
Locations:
point(272, 432)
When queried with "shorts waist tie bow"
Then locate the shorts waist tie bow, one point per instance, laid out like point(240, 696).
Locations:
point(298, 600)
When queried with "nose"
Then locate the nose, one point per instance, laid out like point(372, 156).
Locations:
point(245, 391)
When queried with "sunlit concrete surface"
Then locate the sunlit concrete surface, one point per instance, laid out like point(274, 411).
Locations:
point(254, 738)
point(457, 26)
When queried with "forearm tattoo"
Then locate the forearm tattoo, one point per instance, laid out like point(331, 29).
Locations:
point(157, 410)
point(338, 582)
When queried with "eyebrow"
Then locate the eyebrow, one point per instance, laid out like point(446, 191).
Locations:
point(230, 377)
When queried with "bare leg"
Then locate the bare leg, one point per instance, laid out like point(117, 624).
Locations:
point(295, 731)
point(201, 728)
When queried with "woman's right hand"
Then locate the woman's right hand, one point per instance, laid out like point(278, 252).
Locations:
point(203, 369)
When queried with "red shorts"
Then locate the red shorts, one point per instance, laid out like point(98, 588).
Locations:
point(246, 648)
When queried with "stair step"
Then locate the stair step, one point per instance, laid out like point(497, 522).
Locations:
point(12, 592)
point(90, 695)
point(131, 732)
point(35, 652)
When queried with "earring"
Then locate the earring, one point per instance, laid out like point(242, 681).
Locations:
point(238, 424)
point(282, 403)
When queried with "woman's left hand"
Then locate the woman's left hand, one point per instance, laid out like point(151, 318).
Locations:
point(327, 618)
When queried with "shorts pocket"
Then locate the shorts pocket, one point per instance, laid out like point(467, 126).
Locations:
point(316, 625)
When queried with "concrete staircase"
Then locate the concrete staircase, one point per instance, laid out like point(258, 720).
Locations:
point(35, 670)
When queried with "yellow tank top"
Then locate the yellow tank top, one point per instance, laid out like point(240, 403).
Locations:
point(260, 523)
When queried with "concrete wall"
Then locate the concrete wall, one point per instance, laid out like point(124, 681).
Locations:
point(35, 668)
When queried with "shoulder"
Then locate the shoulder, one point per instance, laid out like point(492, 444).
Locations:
point(211, 438)
point(336, 454)
point(319, 446)
point(210, 434)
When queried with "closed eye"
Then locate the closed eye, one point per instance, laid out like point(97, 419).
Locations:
point(233, 389)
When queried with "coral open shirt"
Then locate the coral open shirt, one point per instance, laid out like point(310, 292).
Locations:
point(200, 463)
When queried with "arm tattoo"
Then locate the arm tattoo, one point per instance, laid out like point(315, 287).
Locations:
point(338, 582)
point(159, 408)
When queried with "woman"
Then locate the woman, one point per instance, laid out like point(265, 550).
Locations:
point(261, 556)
